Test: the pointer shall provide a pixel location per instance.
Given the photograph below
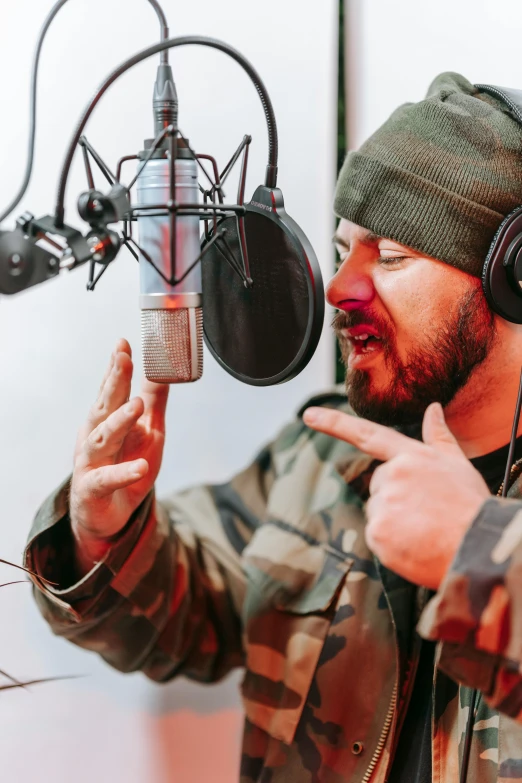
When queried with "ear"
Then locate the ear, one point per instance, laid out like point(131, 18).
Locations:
point(435, 431)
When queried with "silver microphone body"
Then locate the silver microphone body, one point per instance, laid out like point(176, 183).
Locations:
point(171, 316)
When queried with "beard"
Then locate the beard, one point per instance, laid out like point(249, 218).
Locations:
point(434, 371)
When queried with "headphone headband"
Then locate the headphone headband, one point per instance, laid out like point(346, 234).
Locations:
point(511, 97)
point(502, 271)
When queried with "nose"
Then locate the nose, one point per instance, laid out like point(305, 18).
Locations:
point(350, 288)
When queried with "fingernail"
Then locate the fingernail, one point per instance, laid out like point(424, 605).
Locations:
point(130, 407)
point(138, 473)
point(312, 415)
point(439, 412)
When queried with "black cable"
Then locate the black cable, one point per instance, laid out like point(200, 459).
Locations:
point(505, 489)
point(32, 112)
point(271, 174)
point(512, 444)
point(33, 90)
point(164, 29)
point(467, 738)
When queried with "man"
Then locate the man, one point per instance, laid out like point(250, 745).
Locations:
point(289, 569)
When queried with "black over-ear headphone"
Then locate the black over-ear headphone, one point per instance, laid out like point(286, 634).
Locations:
point(502, 271)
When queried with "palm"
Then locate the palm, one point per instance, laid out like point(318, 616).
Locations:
point(118, 452)
point(144, 441)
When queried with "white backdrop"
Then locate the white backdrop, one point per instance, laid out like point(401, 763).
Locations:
point(395, 49)
point(55, 341)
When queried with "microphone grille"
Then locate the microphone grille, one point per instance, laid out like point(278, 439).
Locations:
point(172, 342)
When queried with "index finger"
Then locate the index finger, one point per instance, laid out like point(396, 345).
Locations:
point(380, 442)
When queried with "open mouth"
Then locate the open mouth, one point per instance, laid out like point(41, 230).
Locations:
point(365, 343)
point(363, 338)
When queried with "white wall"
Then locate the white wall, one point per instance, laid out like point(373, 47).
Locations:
point(397, 48)
point(55, 341)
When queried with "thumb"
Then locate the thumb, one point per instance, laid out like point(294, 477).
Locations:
point(435, 431)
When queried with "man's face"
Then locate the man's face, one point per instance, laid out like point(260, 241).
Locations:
point(411, 329)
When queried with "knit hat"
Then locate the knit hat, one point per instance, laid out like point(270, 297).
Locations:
point(439, 176)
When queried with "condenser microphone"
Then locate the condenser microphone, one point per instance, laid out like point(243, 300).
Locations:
point(171, 315)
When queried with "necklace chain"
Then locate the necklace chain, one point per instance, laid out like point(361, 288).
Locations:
point(516, 469)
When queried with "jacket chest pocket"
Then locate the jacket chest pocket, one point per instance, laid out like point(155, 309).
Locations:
point(292, 588)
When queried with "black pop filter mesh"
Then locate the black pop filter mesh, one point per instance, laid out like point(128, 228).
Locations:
point(257, 333)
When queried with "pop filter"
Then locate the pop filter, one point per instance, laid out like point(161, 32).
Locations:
point(267, 333)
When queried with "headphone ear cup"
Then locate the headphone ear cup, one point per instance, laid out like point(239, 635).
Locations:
point(502, 291)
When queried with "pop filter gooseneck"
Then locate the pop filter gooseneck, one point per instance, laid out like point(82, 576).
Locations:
point(189, 40)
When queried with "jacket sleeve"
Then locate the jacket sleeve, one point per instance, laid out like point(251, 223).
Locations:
point(167, 597)
point(477, 613)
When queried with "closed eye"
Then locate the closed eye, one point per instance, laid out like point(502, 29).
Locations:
point(391, 260)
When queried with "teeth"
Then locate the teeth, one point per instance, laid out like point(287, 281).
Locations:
point(361, 337)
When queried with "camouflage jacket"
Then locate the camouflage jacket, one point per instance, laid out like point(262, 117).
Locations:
point(271, 572)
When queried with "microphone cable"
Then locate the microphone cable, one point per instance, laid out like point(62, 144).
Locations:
point(512, 444)
point(503, 492)
point(33, 93)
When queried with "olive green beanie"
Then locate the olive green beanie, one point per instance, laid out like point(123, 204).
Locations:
point(439, 176)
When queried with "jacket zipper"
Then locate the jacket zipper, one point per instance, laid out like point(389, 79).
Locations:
point(384, 736)
point(421, 601)
point(393, 704)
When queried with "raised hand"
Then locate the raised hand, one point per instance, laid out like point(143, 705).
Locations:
point(117, 457)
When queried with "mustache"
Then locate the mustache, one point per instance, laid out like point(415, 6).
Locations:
point(347, 320)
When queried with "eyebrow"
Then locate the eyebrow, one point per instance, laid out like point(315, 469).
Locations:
point(369, 239)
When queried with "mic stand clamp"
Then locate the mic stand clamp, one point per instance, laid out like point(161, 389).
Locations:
point(25, 263)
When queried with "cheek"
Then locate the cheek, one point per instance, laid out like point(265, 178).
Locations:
point(411, 315)
point(417, 300)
